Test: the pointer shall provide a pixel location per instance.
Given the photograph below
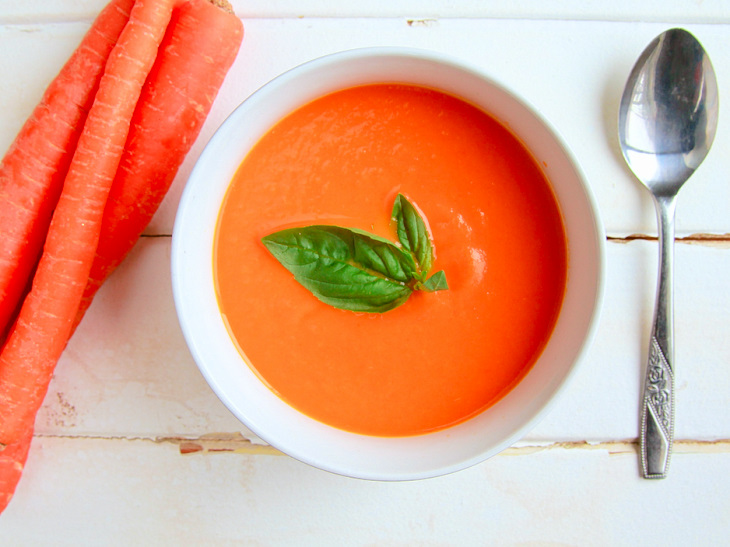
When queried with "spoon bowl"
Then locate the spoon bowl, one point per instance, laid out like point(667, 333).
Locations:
point(667, 122)
point(668, 114)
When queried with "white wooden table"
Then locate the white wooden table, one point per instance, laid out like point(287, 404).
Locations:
point(133, 448)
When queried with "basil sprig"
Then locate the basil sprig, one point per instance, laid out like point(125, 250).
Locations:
point(353, 270)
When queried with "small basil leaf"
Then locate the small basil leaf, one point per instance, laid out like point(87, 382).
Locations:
point(437, 282)
point(345, 268)
point(377, 253)
point(413, 233)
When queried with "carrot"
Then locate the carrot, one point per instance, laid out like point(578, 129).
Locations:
point(12, 462)
point(46, 317)
point(200, 45)
point(194, 57)
point(33, 169)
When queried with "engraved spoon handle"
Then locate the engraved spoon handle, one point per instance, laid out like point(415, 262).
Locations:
point(657, 412)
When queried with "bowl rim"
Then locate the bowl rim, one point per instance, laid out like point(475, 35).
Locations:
point(184, 279)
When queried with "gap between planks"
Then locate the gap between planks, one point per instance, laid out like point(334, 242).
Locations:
point(720, 239)
point(218, 443)
point(415, 15)
point(715, 240)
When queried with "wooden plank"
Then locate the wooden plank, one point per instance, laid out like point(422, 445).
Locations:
point(127, 371)
point(136, 492)
point(603, 400)
point(571, 72)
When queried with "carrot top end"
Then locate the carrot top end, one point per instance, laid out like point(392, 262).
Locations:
point(223, 4)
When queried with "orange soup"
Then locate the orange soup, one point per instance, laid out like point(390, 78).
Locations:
point(497, 231)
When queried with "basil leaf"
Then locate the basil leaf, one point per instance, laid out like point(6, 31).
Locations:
point(345, 268)
point(437, 282)
point(353, 270)
point(413, 233)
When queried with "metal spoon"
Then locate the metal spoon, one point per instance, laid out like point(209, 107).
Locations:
point(667, 122)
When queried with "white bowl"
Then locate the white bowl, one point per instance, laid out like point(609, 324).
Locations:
point(259, 408)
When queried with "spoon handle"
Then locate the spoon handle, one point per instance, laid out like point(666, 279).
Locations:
point(657, 413)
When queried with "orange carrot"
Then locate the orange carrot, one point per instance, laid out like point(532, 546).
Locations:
point(44, 323)
point(200, 45)
point(194, 57)
point(12, 462)
point(33, 169)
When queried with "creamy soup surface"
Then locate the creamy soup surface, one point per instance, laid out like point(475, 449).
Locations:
point(441, 357)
